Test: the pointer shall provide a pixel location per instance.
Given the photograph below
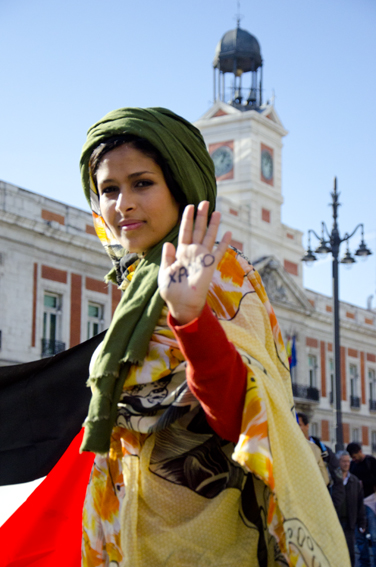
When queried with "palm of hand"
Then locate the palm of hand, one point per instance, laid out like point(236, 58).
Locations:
point(185, 274)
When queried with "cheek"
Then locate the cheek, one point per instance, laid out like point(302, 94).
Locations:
point(107, 209)
point(174, 211)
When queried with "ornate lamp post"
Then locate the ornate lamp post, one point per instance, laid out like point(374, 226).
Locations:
point(331, 242)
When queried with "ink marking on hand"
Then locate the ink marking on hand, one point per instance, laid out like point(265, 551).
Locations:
point(172, 279)
point(182, 273)
point(207, 260)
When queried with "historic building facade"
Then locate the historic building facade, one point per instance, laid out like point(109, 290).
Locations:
point(51, 277)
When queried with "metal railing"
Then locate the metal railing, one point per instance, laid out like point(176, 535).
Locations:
point(354, 401)
point(306, 392)
point(51, 347)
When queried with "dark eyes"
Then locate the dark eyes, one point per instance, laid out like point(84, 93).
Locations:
point(109, 189)
point(139, 184)
point(143, 183)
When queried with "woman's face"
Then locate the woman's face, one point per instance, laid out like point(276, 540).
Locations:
point(135, 202)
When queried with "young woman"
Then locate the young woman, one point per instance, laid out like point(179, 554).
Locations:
point(199, 460)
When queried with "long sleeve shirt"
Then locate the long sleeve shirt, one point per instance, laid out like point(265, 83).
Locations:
point(216, 374)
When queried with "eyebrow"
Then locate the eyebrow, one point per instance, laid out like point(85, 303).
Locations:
point(130, 176)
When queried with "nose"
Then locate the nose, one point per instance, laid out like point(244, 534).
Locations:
point(125, 201)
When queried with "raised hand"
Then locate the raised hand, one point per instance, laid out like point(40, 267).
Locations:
point(185, 273)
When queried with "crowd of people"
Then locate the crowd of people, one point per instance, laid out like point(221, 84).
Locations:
point(351, 479)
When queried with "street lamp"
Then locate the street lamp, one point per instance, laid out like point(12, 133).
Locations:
point(331, 243)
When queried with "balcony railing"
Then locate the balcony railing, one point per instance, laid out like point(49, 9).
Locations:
point(354, 402)
point(306, 392)
point(51, 347)
point(372, 405)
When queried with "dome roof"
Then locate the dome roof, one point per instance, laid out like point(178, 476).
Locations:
point(240, 45)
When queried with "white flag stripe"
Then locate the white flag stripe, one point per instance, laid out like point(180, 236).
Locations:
point(12, 496)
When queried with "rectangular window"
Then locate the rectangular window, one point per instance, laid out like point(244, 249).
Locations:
point(354, 380)
point(51, 339)
point(355, 435)
point(51, 316)
point(94, 319)
point(373, 441)
point(51, 300)
point(314, 430)
point(312, 370)
point(372, 384)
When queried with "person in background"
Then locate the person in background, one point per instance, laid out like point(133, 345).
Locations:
point(329, 458)
point(364, 468)
point(348, 502)
point(304, 426)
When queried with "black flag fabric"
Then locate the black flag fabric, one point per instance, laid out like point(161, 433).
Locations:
point(42, 407)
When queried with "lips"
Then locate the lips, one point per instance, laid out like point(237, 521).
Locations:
point(130, 224)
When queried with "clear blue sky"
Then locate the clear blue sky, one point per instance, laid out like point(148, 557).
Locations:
point(65, 63)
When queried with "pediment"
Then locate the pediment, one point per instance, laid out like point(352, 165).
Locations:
point(219, 108)
point(271, 113)
point(281, 288)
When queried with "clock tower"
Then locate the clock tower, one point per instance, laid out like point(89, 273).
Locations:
point(244, 137)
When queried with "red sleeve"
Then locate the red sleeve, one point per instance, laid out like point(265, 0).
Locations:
point(216, 374)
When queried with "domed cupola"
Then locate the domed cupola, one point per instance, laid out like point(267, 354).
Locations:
point(237, 53)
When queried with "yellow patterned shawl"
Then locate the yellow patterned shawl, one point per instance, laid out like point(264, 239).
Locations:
point(300, 512)
point(301, 528)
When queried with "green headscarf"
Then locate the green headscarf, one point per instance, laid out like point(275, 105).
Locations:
point(136, 316)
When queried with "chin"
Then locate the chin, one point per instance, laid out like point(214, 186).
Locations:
point(131, 247)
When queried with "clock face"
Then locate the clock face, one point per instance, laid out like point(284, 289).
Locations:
point(223, 160)
point(267, 164)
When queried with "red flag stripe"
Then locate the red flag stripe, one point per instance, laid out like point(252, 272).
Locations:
point(47, 529)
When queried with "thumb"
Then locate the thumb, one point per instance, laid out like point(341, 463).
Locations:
point(168, 255)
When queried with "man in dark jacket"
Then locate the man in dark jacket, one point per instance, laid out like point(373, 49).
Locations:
point(364, 468)
point(349, 503)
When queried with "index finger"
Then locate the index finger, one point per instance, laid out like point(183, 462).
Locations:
point(186, 225)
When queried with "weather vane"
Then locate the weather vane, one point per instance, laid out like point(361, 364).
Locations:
point(238, 16)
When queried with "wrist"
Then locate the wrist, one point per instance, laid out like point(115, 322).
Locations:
point(184, 316)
